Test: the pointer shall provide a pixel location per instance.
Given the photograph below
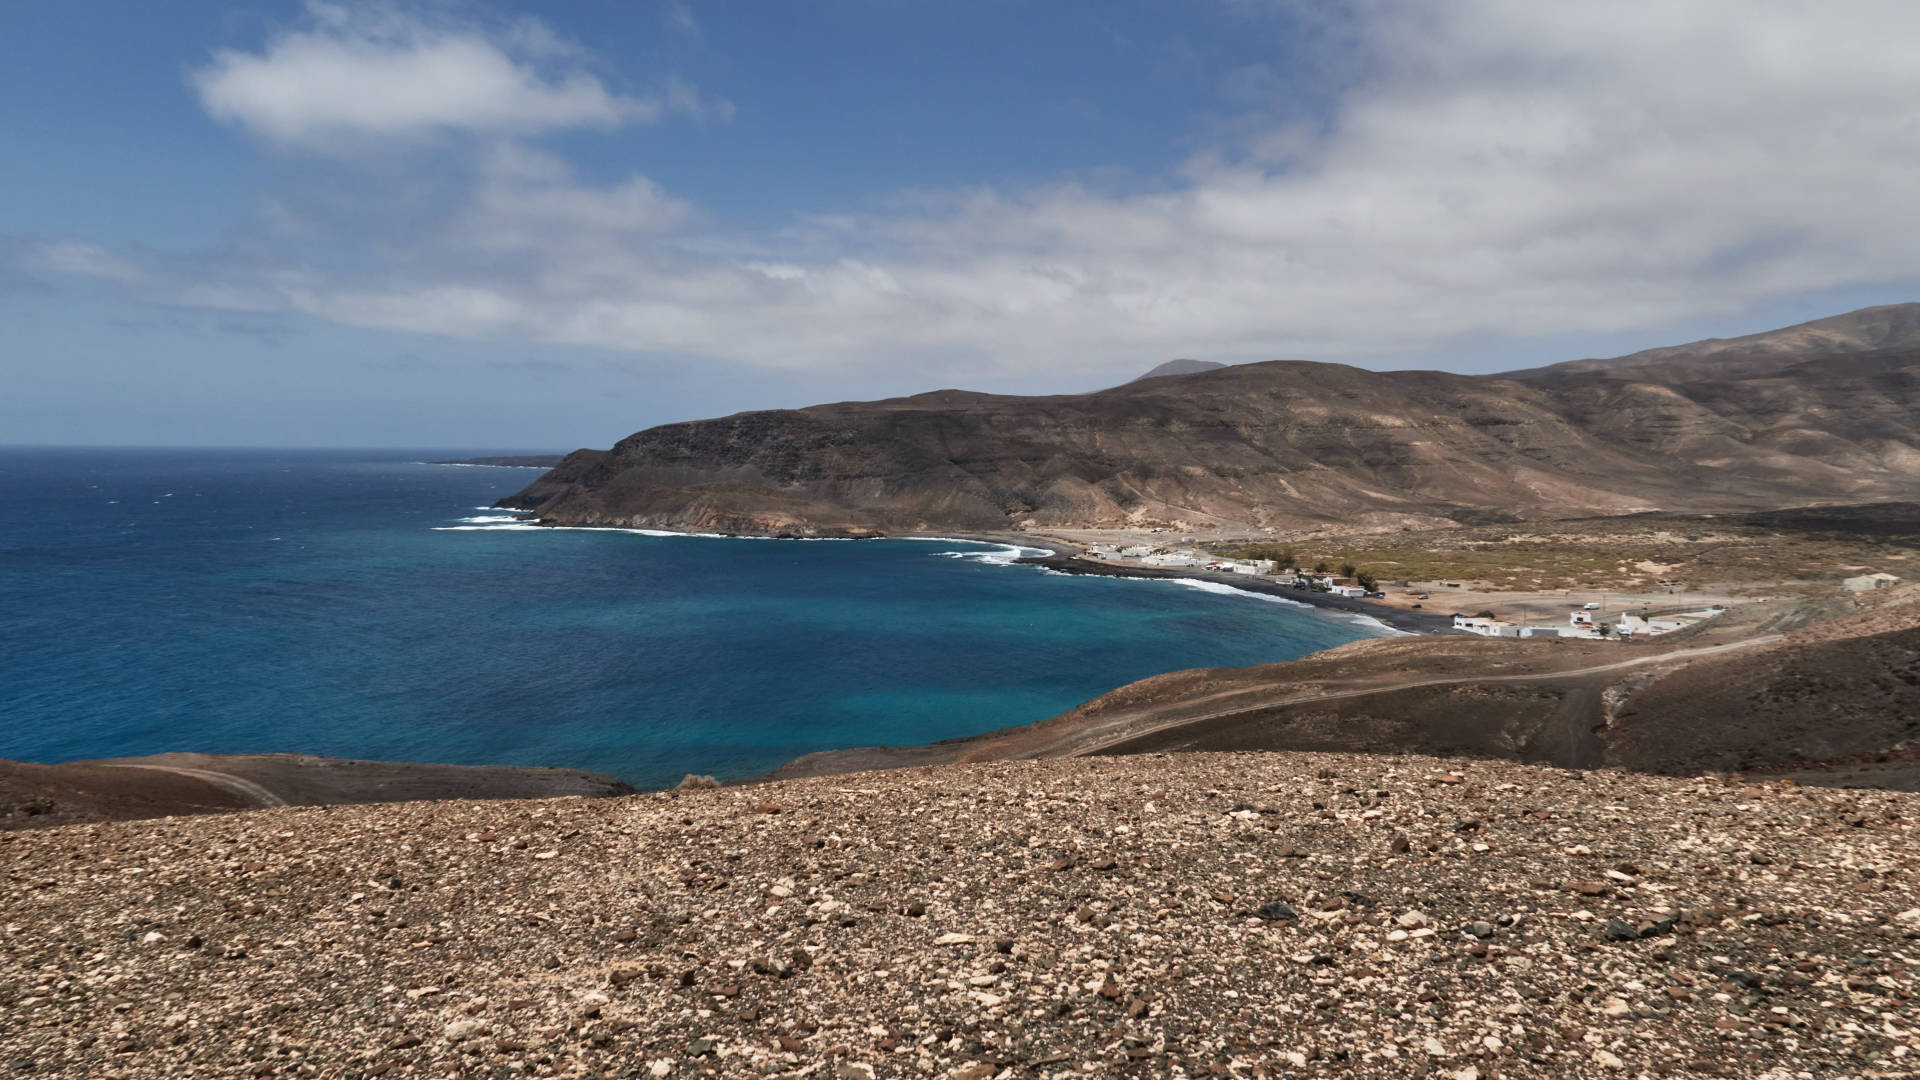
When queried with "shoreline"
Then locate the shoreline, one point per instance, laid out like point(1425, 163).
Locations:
point(1066, 557)
point(1397, 620)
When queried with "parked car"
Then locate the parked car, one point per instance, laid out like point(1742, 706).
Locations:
point(1378, 595)
point(1592, 605)
point(1422, 596)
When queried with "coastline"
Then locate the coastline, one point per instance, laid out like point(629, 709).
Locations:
point(1065, 557)
point(1397, 620)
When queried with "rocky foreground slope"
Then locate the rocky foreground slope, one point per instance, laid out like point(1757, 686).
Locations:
point(1824, 415)
point(1190, 915)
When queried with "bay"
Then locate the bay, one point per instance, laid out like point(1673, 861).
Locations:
point(366, 604)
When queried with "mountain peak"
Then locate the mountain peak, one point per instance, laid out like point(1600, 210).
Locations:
point(1181, 366)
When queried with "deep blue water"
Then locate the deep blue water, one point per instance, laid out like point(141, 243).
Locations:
point(327, 602)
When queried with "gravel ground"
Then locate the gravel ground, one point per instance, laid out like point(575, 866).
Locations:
point(1194, 915)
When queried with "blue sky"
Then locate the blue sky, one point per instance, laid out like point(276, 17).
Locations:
point(454, 223)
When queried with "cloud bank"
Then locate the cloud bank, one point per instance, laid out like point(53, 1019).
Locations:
point(1509, 168)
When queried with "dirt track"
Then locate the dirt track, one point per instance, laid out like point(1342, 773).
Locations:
point(1680, 657)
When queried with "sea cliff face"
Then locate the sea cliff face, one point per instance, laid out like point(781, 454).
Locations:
point(1279, 444)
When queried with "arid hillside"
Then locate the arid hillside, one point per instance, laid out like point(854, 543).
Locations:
point(1205, 915)
point(1284, 445)
point(38, 796)
point(1766, 690)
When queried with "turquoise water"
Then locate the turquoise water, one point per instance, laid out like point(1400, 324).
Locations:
point(361, 604)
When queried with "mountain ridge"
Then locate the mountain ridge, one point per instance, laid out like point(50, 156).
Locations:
point(1291, 444)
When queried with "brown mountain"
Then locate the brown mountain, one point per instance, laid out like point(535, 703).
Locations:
point(1182, 366)
point(1892, 326)
point(1756, 422)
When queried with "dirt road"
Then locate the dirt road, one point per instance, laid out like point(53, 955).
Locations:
point(246, 789)
point(1055, 749)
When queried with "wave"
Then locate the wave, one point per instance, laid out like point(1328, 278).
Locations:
point(491, 519)
point(515, 526)
point(1220, 588)
point(1000, 555)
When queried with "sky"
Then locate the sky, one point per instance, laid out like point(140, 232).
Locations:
point(451, 223)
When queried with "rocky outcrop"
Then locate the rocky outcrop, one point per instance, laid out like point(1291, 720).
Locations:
point(1278, 445)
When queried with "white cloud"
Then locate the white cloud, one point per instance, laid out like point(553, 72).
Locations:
point(365, 71)
point(525, 195)
point(1511, 168)
point(82, 259)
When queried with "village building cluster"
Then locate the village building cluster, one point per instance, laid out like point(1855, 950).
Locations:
point(1587, 623)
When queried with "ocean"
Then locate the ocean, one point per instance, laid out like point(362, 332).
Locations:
point(366, 604)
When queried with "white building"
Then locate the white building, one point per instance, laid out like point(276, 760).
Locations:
point(1869, 582)
point(1655, 625)
point(1174, 558)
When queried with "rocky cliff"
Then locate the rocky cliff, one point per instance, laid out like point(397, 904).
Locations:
point(1285, 444)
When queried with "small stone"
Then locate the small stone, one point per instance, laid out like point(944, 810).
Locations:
point(1004, 946)
point(1608, 1059)
point(1105, 863)
point(1619, 930)
point(1277, 911)
point(1588, 888)
point(1399, 845)
point(1450, 778)
point(460, 1029)
point(915, 910)
point(1480, 929)
point(625, 936)
point(954, 939)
